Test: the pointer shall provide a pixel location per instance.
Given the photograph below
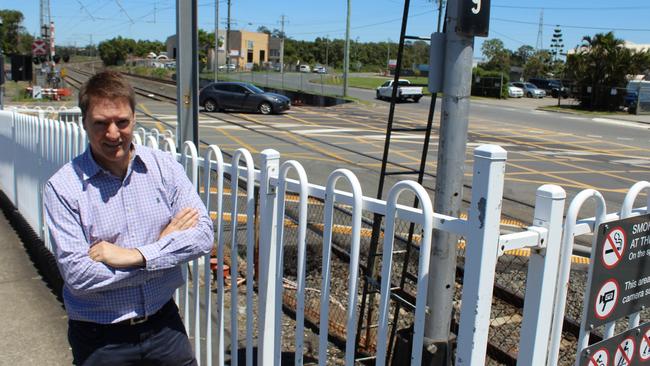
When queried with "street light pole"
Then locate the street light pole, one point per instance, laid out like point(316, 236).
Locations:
point(327, 50)
point(346, 57)
point(387, 53)
point(215, 62)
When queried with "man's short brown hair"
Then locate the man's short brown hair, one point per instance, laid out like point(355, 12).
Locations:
point(107, 84)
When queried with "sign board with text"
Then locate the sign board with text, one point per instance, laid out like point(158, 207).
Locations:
point(620, 282)
point(473, 17)
point(630, 348)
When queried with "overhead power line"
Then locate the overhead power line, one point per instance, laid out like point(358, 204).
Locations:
point(574, 26)
point(607, 8)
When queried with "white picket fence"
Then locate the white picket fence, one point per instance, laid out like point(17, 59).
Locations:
point(33, 148)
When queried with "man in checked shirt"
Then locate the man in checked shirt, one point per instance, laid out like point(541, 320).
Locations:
point(123, 218)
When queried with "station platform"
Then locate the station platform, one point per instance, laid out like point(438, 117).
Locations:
point(34, 330)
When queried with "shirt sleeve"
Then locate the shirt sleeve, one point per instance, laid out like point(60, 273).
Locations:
point(80, 273)
point(180, 246)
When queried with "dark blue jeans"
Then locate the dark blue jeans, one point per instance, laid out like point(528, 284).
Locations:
point(159, 341)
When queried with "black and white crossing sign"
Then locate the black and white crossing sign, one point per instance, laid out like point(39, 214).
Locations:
point(599, 358)
point(473, 17)
point(620, 271)
point(613, 248)
point(644, 346)
point(607, 299)
point(624, 352)
point(620, 350)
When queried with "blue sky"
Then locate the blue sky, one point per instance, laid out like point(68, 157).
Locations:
point(514, 22)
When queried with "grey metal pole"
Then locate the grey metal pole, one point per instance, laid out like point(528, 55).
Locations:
point(215, 62)
point(346, 57)
point(228, 40)
point(282, 51)
point(449, 183)
point(187, 66)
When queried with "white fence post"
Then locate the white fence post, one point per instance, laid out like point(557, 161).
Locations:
point(267, 263)
point(542, 271)
point(481, 253)
point(566, 251)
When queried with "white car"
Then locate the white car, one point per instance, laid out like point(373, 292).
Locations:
point(304, 68)
point(515, 92)
point(404, 91)
point(320, 70)
point(229, 67)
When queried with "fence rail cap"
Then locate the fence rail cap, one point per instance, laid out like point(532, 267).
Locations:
point(494, 152)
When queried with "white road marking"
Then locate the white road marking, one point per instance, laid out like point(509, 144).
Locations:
point(381, 137)
point(568, 152)
point(572, 117)
point(636, 162)
point(595, 136)
point(211, 122)
point(286, 125)
point(621, 123)
point(165, 116)
point(327, 130)
point(625, 138)
point(228, 127)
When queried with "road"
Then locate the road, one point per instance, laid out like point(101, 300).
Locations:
point(573, 151)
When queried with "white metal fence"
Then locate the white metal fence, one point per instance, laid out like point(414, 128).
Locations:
point(32, 149)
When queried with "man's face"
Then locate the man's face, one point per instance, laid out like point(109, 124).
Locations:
point(109, 126)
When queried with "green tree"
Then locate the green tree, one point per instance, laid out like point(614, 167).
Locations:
point(13, 36)
point(498, 57)
point(601, 63)
point(114, 51)
point(521, 55)
point(263, 29)
point(537, 65)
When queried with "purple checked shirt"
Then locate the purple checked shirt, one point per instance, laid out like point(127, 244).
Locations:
point(85, 204)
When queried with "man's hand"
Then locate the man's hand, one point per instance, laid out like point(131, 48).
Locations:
point(115, 256)
point(185, 219)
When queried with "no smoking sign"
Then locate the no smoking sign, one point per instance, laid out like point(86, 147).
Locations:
point(620, 271)
point(613, 248)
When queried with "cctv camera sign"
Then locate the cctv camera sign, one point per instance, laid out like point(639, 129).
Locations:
point(620, 283)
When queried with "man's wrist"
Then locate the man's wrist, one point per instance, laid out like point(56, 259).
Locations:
point(138, 258)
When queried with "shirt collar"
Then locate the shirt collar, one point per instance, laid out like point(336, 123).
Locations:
point(90, 168)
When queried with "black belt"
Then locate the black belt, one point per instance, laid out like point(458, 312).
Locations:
point(165, 309)
point(149, 318)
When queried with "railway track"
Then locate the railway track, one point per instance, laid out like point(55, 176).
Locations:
point(508, 294)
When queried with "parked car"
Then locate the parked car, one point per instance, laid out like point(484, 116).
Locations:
point(241, 96)
point(229, 67)
point(404, 90)
point(530, 89)
point(552, 87)
point(320, 70)
point(304, 68)
point(632, 93)
point(514, 91)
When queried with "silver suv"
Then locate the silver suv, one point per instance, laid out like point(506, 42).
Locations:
point(530, 90)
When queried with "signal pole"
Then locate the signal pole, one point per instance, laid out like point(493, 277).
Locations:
point(346, 57)
point(215, 62)
point(282, 44)
point(464, 20)
point(228, 40)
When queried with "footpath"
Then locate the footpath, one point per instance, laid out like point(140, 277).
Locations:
point(34, 323)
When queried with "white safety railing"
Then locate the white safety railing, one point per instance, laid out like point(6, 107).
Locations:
point(32, 149)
